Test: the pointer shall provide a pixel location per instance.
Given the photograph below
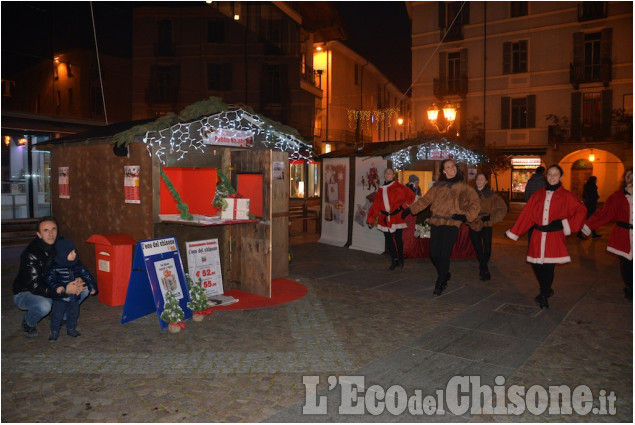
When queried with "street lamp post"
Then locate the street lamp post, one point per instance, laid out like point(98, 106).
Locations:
point(449, 116)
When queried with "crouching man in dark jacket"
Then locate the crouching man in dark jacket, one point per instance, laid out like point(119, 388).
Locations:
point(31, 293)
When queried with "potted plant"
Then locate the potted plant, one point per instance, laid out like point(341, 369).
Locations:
point(198, 305)
point(172, 313)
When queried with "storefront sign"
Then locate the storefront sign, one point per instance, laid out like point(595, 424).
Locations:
point(439, 155)
point(526, 162)
point(203, 262)
point(156, 269)
point(227, 137)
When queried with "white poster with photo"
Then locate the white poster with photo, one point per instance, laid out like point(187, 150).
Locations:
point(335, 202)
point(368, 174)
point(168, 278)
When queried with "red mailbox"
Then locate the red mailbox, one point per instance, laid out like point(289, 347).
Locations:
point(113, 255)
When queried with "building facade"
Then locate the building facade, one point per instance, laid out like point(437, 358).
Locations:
point(359, 105)
point(542, 82)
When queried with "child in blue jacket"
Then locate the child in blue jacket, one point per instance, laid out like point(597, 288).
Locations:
point(65, 269)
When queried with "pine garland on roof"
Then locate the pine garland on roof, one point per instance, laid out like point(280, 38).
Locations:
point(211, 106)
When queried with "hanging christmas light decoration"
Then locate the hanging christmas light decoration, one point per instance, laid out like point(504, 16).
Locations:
point(437, 150)
point(363, 118)
point(237, 128)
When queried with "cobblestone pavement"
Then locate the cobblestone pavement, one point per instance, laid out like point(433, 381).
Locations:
point(358, 319)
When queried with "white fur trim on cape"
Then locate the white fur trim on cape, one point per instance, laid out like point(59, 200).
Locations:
point(559, 260)
point(565, 227)
point(393, 227)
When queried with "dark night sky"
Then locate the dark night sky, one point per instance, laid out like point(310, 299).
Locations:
point(32, 31)
point(380, 32)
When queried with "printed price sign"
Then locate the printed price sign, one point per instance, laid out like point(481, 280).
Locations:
point(203, 261)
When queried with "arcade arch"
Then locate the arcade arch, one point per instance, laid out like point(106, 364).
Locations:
point(577, 168)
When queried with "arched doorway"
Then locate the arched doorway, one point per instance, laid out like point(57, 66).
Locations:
point(581, 170)
point(577, 168)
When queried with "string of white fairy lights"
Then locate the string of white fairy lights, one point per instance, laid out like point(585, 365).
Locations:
point(183, 138)
point(436, 150)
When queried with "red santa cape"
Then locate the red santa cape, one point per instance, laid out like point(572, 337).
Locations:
point(542, 208)
point(618, 207)
point(388, 199)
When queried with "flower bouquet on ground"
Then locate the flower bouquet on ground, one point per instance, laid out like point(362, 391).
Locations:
point(172, 313)
point(198, 305)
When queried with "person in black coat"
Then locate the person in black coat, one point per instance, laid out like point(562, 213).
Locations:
point(590, 198)
point(30, 292)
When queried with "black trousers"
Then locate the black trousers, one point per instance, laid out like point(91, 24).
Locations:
point(626, 267)
point(544, 273)
point(394, 242)
point(60, 308)
point(482, 241)
point(442, 239)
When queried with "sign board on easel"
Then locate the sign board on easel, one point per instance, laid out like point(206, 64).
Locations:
point(156, 269)
point(203, 261)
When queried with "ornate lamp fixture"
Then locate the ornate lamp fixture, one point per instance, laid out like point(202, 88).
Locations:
point(449, 115)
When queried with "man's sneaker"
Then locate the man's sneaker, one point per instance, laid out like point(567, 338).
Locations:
point(73, 333)
point(29, 331)
point(53, 336)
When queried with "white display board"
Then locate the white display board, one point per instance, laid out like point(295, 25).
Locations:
point(203, 261)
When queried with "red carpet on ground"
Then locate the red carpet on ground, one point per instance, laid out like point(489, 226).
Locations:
point(282, 291)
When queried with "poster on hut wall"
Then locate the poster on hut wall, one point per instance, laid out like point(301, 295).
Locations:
point(63, 182)
point(335, 201)
point(368, 174)
point(131, 184)
point(203, 262)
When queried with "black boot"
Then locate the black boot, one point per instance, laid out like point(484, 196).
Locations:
point(401, 261)
point(394, 264)
point(440, 285)
point(542, 301)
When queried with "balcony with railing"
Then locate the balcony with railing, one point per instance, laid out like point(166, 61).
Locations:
point(621, 131)
point(583, 74)
point(312, 76)
point(444, 87)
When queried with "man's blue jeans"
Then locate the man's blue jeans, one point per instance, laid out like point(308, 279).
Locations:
point(37, 307)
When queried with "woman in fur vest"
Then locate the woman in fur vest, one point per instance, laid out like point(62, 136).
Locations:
point(618, 208)
point(554, 213)
point(390, 200)
point(452, 202)
point(493, 210)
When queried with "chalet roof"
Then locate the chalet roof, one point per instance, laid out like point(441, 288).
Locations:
point(421, 148)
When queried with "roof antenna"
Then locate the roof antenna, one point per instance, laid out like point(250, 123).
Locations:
point(101, 81)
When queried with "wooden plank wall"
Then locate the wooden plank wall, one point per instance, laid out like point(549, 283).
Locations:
point(280, 219)
point(251, 243)
point(96, 204)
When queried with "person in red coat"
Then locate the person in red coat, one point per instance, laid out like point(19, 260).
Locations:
point(391, 198)
point(618, 208)
point(554, 213)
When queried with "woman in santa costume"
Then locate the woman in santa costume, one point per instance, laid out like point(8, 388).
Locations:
point(553, 212)
point(390, 200)
point(618, 208)
point(452, 202)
